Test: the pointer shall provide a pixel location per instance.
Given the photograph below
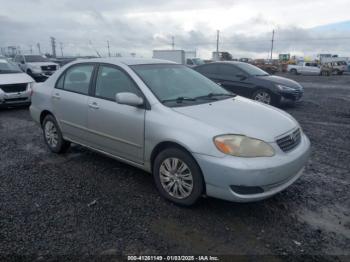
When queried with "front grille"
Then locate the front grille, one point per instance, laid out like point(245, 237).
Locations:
point(290, 141)
point(49, 68)
point(14, 88)
point(16, 99)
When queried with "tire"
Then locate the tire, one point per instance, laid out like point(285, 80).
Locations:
point(191, 176)
point(53, 136)
point(293, 71)
point(266, 97)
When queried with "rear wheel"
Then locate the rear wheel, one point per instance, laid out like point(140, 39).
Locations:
point(53, 135)
point(178, 177)
point(294, 71)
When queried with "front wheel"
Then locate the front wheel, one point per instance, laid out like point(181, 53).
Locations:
point(178, 177)
point(53, 136)
point(265, 96)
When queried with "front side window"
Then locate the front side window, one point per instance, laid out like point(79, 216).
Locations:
point(78, 78)
point(251, 69)
point(228, 70)
point(177, 85)
point(111, 81)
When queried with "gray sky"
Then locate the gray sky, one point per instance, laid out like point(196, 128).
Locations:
point(303, 27)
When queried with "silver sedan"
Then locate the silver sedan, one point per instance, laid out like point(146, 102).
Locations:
point(195, 137)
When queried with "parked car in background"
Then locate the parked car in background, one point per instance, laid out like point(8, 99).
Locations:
point(15, 86)
point(339, 67)
point(36, 66)
point(304, 68)
point(250, 81)
point(151, 114)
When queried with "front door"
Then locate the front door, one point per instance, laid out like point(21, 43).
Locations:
point(232, 79)
point(114, 128)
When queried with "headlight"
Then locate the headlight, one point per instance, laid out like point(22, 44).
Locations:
point(243, 146)
point(285, 88)
point(37, 68)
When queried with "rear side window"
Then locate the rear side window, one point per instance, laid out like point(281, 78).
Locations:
point(208, 69)
point(77, 79)
point(111, 81)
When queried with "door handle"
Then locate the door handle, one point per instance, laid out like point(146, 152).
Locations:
point(94, 105)
point(56, 96)
point(218, 83)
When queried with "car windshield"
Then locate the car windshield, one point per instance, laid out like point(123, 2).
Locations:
point(8, 68)
point(36, 58)
point(177, 85)
point(251, 70)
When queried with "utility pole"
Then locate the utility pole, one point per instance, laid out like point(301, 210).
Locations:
point(31, 49)
point(173, 42)
point(217, 44)
point(272, 40)
point(61, 46)
point(53, 46)
point(109, 52)
point(38, 46)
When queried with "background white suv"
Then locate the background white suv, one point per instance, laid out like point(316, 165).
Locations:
point(36, 65)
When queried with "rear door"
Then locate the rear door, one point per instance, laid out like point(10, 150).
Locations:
point(70, 101)
point(114, 128)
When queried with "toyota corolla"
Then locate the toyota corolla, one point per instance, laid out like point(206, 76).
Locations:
point(195, 137)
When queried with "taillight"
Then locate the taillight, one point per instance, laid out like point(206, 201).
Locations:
point(31, 89)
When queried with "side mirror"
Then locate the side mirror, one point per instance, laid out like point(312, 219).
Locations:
point(22, 62)
point(130, 99)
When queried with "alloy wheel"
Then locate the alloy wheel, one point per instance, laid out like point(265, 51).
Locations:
point(263, 97)
point(51, 134)
point(176, 178)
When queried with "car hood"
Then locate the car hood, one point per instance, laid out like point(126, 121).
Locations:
point(280, 80)
point(243, 116)
point(42, 64)
point(15, 78)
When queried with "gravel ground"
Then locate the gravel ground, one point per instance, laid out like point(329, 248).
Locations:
point(83, 203)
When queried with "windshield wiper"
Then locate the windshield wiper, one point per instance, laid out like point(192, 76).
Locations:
point(179, 99)
point(213, 95)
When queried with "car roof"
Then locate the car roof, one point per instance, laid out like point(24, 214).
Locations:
point(126, 61)
point(225, 62)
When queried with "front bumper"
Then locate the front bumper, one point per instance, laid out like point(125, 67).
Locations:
point(271, 174)
point(293, 95)
point(17, 98)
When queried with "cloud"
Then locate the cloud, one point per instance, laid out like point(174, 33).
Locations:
point(141, 26)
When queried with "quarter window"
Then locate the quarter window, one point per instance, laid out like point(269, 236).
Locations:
point(78, 79)
point(111, 81)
